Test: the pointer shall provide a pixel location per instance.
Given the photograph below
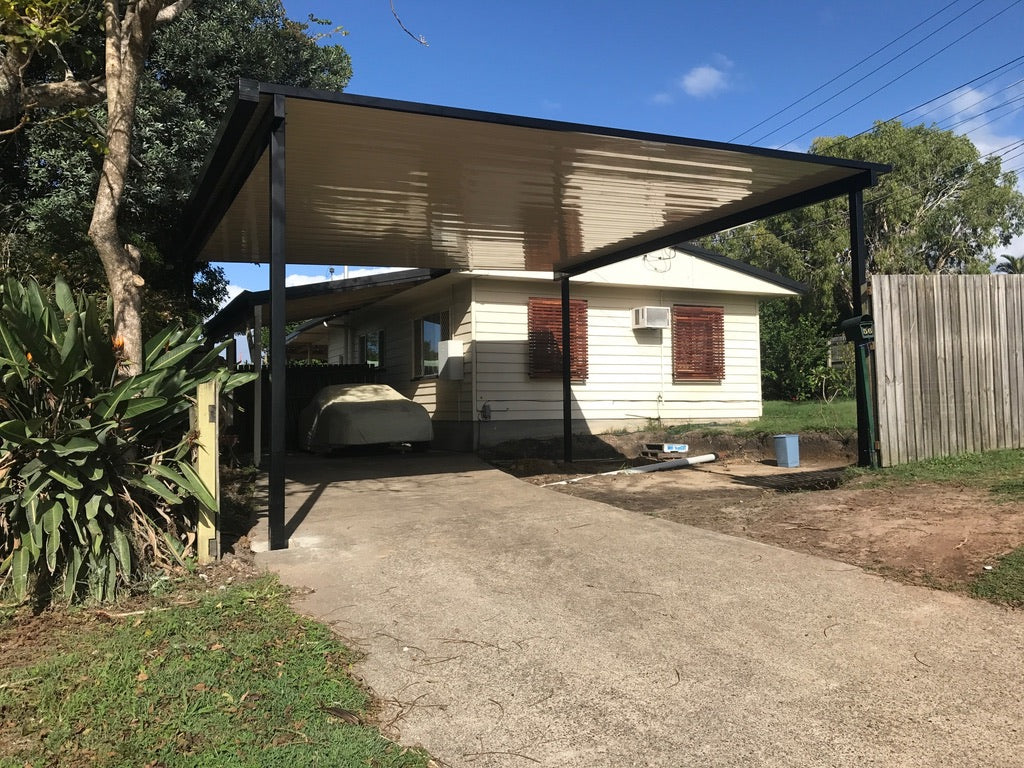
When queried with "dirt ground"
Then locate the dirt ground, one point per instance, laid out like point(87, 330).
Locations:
point(933, 535)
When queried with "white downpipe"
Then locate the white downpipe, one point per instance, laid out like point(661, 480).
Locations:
point(659, 467)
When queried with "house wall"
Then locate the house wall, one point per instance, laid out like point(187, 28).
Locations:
point(449, 403)
point(630, 372)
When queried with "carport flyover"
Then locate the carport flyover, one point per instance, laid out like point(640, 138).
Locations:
point(313, 177)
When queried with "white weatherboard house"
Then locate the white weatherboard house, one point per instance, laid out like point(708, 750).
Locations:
point(672, 335)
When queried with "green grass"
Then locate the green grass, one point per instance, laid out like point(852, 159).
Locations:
point(1005, 582)
point(782, 417)
point(1001, 472)
point(235, 679)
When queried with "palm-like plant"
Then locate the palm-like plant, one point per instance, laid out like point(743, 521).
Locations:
point(1011, 265)
point(97, 488)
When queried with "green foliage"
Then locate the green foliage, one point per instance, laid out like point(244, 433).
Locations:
point(1011, 265)
point(1005, 582)
point(998, 471)
point(795, 356)
point(786, 416)
point(943, 208)
point(234, 678)
point(96, 482)
point(48, 174)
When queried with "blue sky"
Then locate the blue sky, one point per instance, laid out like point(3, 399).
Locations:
point(706, 70)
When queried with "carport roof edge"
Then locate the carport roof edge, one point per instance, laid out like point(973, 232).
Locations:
point(392, 183)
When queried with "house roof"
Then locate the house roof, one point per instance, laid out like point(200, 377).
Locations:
point(657, 270)
point(743, 268)
point(317, 300)
point(395, 183)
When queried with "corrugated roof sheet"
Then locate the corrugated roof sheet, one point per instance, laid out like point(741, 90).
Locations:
point(397, 184)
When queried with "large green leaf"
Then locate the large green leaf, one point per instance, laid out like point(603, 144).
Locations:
point(65, 479)
point(74, 445)
point(174, 356)
point(151, 484)
point(190, 482)
point(64, 298)
point(20, 562)
point(71, 571)
point(122, 550)
point(158, 344)
point(140, 405)
point(52, 517)
point(15, 431)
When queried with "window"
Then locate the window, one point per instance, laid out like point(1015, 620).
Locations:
point(371, 348)
point(428, 333)
point(698, 343)
point(544, 331)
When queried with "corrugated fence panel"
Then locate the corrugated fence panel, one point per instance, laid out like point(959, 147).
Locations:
point(949, 364)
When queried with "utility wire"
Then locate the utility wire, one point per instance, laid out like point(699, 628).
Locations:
point(985, 112)
point(1012, 63)
point(907, 72)
point(844, 72)
point(979, 102)
point(861, 79)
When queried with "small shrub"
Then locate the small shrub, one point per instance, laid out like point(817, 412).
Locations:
point(97, 489)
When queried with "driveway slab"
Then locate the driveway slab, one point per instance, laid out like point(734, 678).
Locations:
point(509, 625)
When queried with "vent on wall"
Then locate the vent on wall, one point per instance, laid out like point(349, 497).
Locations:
point(652, 317)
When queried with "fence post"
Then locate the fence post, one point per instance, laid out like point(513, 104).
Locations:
point(208, 468)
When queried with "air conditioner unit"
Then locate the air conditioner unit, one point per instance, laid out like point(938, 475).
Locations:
point(652, 317)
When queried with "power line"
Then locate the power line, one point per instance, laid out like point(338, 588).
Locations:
point(881, 66)
point(1014, 63)
point(846, 71)
point(980, 101)
point(907, 72)
point(984, 112)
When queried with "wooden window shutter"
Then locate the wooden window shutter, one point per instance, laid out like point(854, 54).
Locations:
point(544, 333)
point(698, 343)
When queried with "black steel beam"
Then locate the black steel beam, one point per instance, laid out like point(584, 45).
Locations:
point(566, 374)
point(278, 357)
point(744, 216)
point(858, 277)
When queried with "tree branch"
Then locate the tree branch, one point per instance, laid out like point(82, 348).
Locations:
point(80, 93)
point(170, 12)
point(418, 38)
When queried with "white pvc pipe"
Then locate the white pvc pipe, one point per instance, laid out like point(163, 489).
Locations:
point(659, 467)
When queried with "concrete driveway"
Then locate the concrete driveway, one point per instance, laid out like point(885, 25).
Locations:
point(508, 625)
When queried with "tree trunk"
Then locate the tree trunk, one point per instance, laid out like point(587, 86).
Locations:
point(127, 41)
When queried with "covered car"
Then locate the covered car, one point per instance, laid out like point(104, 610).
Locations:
point(363, 414)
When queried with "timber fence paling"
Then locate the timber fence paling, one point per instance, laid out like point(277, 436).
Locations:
point(949, 364)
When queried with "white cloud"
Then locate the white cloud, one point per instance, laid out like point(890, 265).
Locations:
point(704, 81)
point(296, 279)
point(708, 79)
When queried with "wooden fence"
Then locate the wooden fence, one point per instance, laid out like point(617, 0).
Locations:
point(949, 364)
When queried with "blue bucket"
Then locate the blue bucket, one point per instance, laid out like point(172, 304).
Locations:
point(787, 450)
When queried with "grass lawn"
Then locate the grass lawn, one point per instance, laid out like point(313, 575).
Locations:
point(230, 677)
point(783, 416)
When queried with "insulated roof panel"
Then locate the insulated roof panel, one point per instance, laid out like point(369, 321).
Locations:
point(387, 183)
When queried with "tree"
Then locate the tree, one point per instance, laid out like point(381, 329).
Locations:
point(943, 208)
point(48, 174)
point(1011, 265)
point(69, 173)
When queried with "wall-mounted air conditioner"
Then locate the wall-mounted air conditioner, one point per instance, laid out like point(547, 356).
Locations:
point(652, 317)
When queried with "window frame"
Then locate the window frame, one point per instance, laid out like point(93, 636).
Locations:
point(419, 361)
point(544, 339)
point(698, 343)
